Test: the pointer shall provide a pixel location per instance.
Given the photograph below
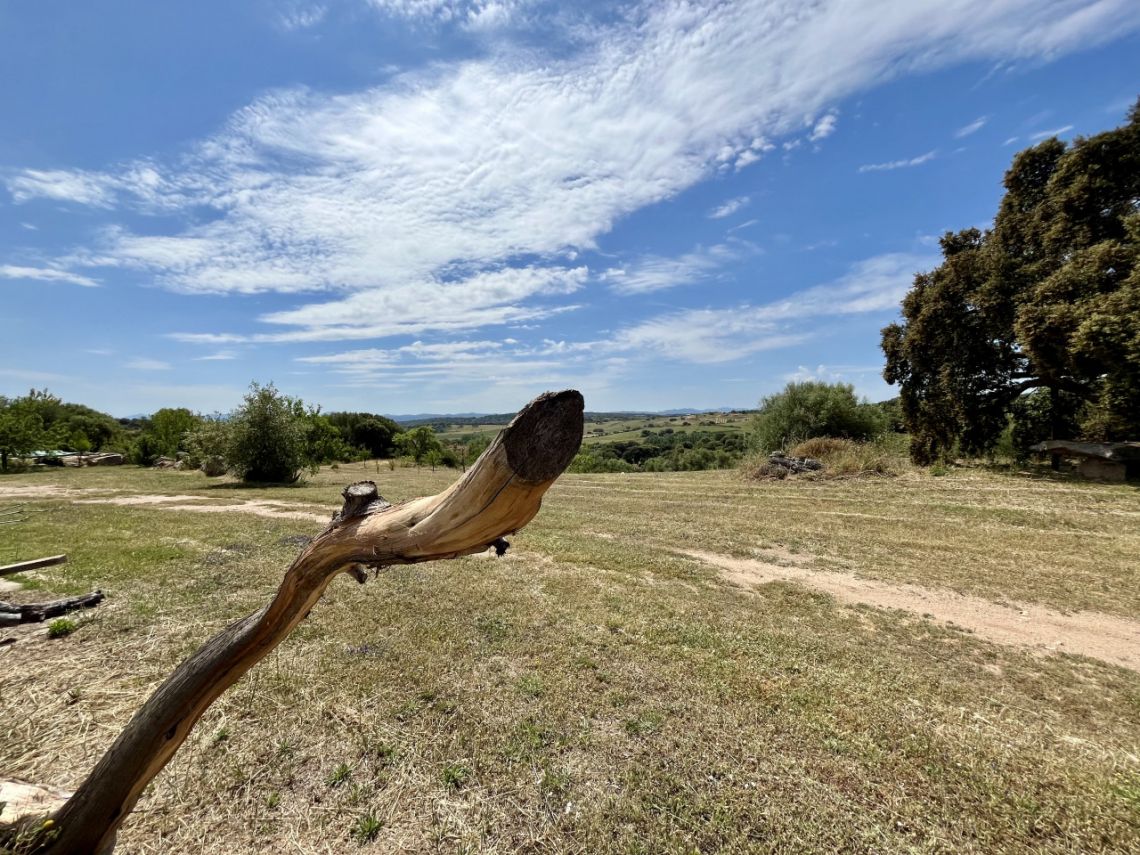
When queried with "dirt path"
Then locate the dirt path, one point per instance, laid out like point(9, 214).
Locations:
point(1100, 636)
point(258, 507)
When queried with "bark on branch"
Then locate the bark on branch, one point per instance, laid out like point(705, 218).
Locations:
point(499, 495)
point(11, 614)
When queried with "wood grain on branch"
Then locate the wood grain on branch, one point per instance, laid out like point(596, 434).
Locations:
point(499, 495)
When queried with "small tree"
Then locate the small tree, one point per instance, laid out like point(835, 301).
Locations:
point(169, 426)
point(810, 409)
point(21, 430)
point(267, 437)
point(418, 443)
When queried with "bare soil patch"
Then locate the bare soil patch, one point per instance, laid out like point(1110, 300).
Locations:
point(44, 491)
point(127, 501)
point(1106, 637)
point(258, 507)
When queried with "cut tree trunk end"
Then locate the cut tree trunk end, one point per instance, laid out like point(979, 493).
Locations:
point(496, 497)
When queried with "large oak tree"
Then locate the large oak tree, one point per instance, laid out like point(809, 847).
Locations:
point(1046, 303)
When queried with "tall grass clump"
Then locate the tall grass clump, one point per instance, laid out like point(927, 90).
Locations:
point(845, 458)
point(841, 458)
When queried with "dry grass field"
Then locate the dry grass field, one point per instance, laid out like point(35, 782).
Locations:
point(599, 689)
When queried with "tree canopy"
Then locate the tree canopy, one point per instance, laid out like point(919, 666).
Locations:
point(813, 408)
point(1047, 299)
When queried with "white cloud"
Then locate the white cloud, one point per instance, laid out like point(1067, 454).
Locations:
point(451, 370)
point(723, 335)
point(459, 170)
point(86, 188)
point(46, 274)
point(220, 356)
point(830, 373)
point(469, 14)
point(728, 208)
point(25, 376)
point(302, 17)
point(824, 128)
point(1010, 141)
point(1055, 132)
point(145, 364)
point(898, 164)
point(655, 272)
point(484, 299)
point(971, 128)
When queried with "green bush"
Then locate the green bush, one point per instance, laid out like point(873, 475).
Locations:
point(584, 461)
point(145, 450)
point(810, 409)
point(268, 437)
point(207, 446)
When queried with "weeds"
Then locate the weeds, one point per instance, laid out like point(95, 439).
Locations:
point(61, 627)
point(455, 775)
point(367, 828)
point(339, 775)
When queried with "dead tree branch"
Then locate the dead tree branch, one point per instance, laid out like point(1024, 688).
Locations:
point(499, 495)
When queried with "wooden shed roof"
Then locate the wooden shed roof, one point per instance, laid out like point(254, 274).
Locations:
point(1117, 452)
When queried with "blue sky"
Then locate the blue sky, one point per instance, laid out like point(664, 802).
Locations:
point(452, 205)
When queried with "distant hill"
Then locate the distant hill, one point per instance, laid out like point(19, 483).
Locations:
point(417, 419)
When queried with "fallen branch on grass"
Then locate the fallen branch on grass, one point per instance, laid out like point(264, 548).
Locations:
point(34, 564)
point(11, 614)
point(499, 495)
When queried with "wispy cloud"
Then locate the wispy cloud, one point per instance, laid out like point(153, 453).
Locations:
point(25, 376)
point(302, 16)
point(1010, 141)
point(468, 14)
point(1054, 132)
point(728, 208)
point(85, 188)
point(46, 274)
point(145, 364)
point(450, 370)
point(825, 127)
point(723, 335)
point(828, 373)
point(220, 356)
point(488, 298)
point(971, 128)
point(899, 164)
point(465, 168)
point(656, 273)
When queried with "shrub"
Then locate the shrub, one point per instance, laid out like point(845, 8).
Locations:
point(811, 409)
point(267, 437)
point(207, 447)
point(144, 450)
point(585, 461)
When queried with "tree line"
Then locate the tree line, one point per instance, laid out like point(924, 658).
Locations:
point(270, 437)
